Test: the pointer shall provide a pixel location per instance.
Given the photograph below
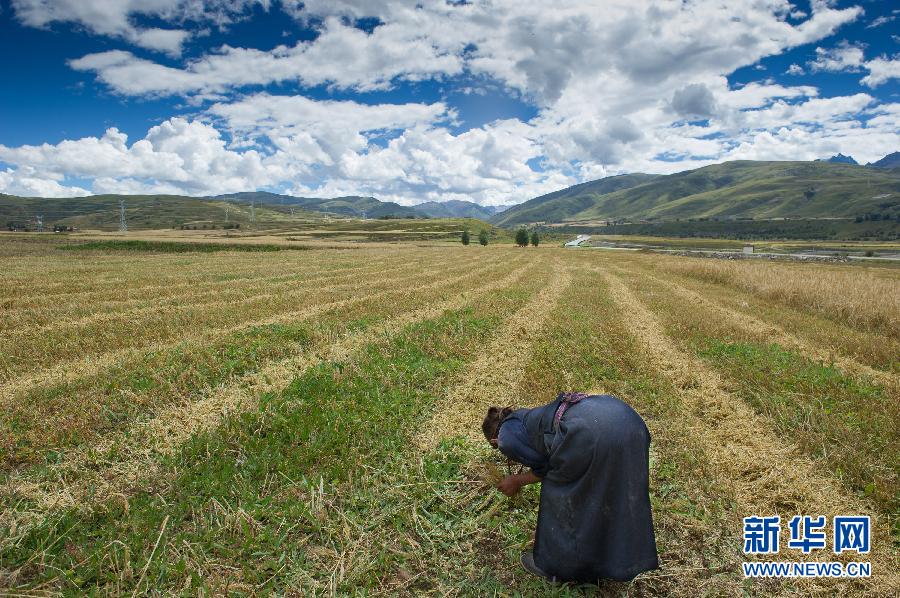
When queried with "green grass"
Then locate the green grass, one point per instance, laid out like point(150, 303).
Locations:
point(587, 346)
point(175, 246)
point(250, 505)
point(82, 409)
point(71, 413)
point(853, 425)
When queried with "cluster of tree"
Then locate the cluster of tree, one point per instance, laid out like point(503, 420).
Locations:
point(226, 226)
point(482, 237)
point(874, 217)
point(523, 238)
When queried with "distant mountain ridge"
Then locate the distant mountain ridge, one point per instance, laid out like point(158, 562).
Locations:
point(840, 158)
point(730, 190)
point(454, 208)
point(889, 161)
point(351, 205)
point(740, 189)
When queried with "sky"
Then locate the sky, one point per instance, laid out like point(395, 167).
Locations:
point(493, 102)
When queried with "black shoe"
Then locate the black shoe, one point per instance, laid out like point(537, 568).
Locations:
point(527, 560)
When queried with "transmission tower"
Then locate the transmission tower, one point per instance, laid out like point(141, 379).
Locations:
point(252, 210)
point(227, 210)
point(39, 222)
point(123, 226)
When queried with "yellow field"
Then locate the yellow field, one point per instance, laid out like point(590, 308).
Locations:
point(308, 421)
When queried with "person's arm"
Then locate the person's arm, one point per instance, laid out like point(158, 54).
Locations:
point(511, 484)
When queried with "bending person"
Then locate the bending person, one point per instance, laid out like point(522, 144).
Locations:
point(591, 455)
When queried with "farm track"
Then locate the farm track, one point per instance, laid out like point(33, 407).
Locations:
point(493, 378)
point(765, 473)
point(773, 333)
point(123, 296)
point(71, 370)
point(115, 465)
point(258, 290)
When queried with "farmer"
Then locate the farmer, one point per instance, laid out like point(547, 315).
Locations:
point(591, 454)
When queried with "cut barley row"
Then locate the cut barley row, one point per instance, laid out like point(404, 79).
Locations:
point(131, 456)
point(772, 332)
point(77, 413)
point(51, 358)
point(765, 474)
point(493, 378)
point(38, 323)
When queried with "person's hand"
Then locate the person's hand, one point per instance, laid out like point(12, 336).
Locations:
point(510, 485)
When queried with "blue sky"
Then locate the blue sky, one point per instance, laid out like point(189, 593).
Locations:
point(416, 101)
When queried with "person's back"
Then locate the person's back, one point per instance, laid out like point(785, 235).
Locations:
point(595, 520)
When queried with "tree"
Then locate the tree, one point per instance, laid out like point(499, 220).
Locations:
point(522, 237)
point(535, 238)
point(465, 237)
point(483, 237)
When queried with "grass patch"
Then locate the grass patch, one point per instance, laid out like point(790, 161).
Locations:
point(443, 528)
point(255, 505)
point(853, 425)
point(177, 246)
point(65, 415)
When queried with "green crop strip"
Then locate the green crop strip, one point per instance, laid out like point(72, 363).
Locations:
point(125, 391)
point(176, 246)
point(247, 506)
point(113, 398)
point(854, 425)
point(439, 526)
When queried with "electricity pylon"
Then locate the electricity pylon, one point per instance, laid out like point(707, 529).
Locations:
point(123, 226)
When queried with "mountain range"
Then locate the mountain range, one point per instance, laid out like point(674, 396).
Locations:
point(369, 207)
point(744, 189)
point(740, 189)
point(840, 159)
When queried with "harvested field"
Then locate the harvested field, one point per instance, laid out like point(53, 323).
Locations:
point(308, 422)
point(865, 298)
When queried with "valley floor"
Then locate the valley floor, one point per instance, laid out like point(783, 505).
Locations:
point(307, 422)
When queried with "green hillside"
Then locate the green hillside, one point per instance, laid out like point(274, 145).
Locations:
point(562, 205)
point(351, 205)
point(742, 189)
point(142, 212)
point(454, 208)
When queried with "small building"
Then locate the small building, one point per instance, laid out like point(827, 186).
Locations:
point(748, 249)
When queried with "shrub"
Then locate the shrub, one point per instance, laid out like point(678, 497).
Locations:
point(535, 238)
point(465, 237)
point(483, 237)
point(522, 237)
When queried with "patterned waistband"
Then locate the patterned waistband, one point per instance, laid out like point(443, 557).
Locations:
point(566, 399)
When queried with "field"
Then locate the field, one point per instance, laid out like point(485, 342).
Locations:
point(219, 422)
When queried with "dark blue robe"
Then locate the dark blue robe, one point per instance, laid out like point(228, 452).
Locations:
point(594, 520)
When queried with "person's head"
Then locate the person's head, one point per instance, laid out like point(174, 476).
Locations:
point(491, 424)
